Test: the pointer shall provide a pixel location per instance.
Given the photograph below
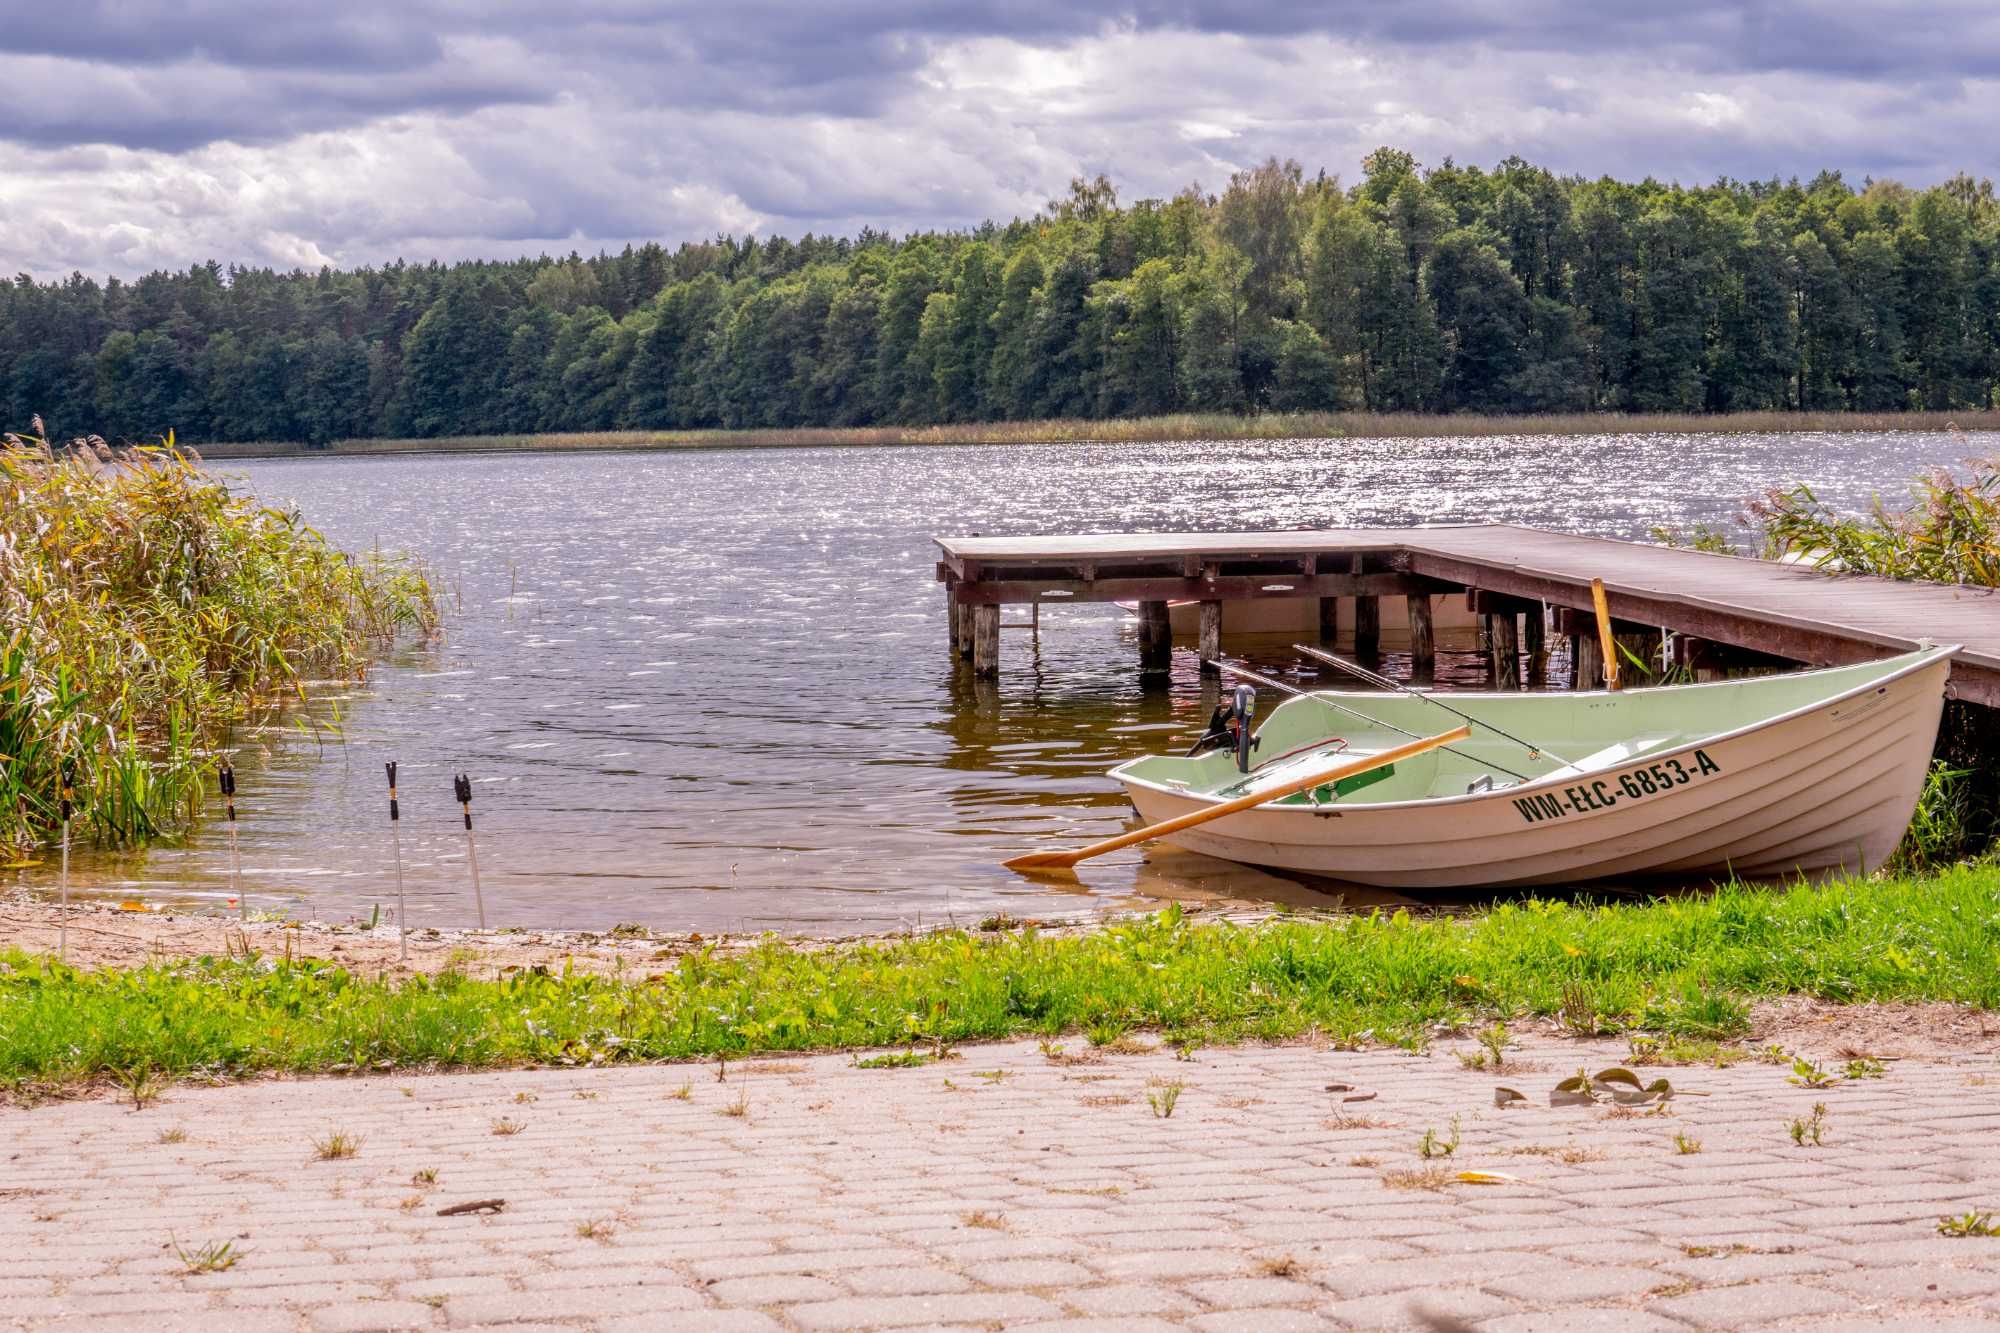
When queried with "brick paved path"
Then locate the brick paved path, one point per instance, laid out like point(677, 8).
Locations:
point(1051, 1196)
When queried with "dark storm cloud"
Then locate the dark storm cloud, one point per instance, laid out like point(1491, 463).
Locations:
point(172, 75)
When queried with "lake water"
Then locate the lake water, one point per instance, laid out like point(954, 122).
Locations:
point(711, 689)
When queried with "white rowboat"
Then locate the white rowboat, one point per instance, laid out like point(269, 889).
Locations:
point(1813, 773)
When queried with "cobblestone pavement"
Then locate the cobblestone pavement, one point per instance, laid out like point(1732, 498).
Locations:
point(1006, 1188)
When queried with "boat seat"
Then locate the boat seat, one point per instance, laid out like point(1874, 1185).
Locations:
point(1616, 753)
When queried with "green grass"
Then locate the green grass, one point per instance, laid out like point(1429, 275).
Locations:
point(1684, 967)
point(1176, 426)
point(144, 610)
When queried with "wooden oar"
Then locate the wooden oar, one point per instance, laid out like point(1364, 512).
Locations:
point(1064, 860)
point(1605, 638)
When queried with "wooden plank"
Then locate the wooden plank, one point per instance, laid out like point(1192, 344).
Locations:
point(1211, 634)
point(1227, 588)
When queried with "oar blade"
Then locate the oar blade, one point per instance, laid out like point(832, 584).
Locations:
point(1043, 861)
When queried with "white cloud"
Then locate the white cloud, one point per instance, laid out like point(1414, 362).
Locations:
point(539, 140)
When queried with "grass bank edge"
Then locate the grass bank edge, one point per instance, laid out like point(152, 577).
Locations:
point(1683, 967)
point(1180, 426)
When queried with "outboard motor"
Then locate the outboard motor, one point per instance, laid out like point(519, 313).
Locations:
point(1229, 728)
point(1245, 708)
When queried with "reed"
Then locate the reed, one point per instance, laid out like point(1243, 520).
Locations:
point(1156, 429)
point(144, 610)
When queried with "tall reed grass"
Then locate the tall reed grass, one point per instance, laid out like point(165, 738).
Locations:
point(1177, 426)
point(144, 609)
point(1949, 532)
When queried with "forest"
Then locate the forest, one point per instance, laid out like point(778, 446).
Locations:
point(1447, 289)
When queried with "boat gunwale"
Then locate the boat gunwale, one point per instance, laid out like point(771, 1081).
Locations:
point(1921, 659)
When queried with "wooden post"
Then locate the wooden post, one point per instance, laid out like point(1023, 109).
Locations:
point(1607, 659)
point(1586, 653)
point(986, 640)
point(1211, 633)
point(1156, 637)
point(962, 628)
point(1503, 632)
point(1645, 647)
point(1329, 619)
point(1535, 642)
point(952, 612)
point(1423, 636)
point(1367, 627)
point(1367, 619)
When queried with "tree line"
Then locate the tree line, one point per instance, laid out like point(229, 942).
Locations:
point(1442, 290)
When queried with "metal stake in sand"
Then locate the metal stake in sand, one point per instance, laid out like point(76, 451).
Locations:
point(67, 798)
point(396, 843)
point(225, 777)
point(461, 786)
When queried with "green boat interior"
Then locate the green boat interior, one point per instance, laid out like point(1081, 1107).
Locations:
point(1571, 733)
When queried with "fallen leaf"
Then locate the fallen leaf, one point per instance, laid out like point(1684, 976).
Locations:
point(1487, 1178)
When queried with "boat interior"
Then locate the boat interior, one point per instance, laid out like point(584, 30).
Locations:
point(1557, 733)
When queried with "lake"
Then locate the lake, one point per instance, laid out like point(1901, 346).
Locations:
point(710, 689)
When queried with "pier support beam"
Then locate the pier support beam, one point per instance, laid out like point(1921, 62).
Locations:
point(1367, 628)
point(1156, 637)
point(951, 611)
point(961, 628)
point(986, 641)
point(1211, 634)
point(1535, 642)
point(1503, 633)
point(1329, 619)
point(1588, 656)
point(1423, 637)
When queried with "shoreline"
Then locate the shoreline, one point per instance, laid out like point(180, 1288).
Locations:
point(1274, 427)
point(105, 937)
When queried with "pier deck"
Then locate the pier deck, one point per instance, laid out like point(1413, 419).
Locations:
point(1783, 611)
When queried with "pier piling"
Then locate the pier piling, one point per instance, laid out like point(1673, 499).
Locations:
point(986, 640)
point(1156, 637)
point(1211, 634)
point(1423, 635)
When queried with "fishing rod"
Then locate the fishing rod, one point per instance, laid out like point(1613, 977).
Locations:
point(66, 793)
point(461, 787)
point(1231, 669)
point(1376, 678)
point(225, 778)
point(396, 845)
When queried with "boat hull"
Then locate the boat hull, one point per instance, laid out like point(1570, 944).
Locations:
point(1828, 789)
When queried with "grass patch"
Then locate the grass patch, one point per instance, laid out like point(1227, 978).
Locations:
point(1678, 969)
point(336, 1146)
point(144, 609)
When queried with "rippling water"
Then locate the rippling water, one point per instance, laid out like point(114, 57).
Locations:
point(711, 689)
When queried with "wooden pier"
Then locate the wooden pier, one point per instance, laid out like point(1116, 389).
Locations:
point(1720, 608)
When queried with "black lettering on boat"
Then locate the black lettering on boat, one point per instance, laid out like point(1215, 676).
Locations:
point(1705, 764)
point(1531, 810)
point(1602, 791)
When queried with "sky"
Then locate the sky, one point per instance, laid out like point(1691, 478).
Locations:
point(146, 134)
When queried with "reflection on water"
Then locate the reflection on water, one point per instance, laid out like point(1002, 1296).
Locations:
point(711, 689)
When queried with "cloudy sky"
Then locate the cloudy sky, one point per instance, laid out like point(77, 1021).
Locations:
point(140, 134)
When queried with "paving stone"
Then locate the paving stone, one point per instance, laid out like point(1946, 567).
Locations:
point(853, 1214)
point(1754, 1303)
point(903, 1311)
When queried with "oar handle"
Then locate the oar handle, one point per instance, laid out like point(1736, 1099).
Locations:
point(1367, 763)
